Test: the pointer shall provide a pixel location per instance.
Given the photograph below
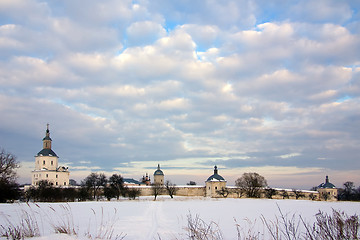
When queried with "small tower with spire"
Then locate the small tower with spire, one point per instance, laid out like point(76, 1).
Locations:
point(327, 190)
point(214, 183)
point(159, 176)
point(47, 140)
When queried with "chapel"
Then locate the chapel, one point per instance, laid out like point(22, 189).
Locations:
point(327, 190)
point(214, 183)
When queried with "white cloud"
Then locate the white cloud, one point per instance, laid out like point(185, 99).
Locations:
point(322, 11)
point(123, 83)
point(290, 155)
point(145, 32)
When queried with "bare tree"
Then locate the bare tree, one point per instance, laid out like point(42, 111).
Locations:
point(8, 164)
point(170, 188)
point(224, 192)
point(117, 184)
point(251, 184)
point(298, 193)
point(312, 196)
point(284, 194)
point(133, 193)
point(9, 189)
point(270, 192)
point(239, 191)
point(94, 181)
point(348, 192)
point(325, 195)
point(157, 189)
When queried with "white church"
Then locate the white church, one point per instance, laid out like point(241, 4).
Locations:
point(46, 165)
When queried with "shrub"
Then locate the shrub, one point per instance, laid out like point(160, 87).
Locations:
point(336, 226)
point(270, 192)
point(198, 229)
point(132, 193)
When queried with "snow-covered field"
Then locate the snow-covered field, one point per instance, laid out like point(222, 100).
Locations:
point(162, 219)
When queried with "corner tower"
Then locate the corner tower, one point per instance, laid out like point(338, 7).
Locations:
point(327, 190)
point(159, 176)
point(214, 183)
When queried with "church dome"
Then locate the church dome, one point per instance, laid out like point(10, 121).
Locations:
point(215, 177)
point(158, 171)
point(327, 184)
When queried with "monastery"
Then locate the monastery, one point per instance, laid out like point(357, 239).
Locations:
point(47, 168)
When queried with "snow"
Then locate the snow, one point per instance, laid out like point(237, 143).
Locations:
point(162, 219)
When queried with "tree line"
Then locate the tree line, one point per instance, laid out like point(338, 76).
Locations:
point(94, 187)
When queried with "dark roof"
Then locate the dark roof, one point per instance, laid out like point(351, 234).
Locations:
point(215, 176)
point(327, 184)
point(131, 181)
point(47, 152)
point(47, 134)
point(158, 171)
point(47, 138)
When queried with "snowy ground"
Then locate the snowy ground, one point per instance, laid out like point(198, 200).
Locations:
point(162, 219)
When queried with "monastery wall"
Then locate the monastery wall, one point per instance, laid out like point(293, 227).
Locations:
point(190, 191)
point(180, 190)
point(200, 191)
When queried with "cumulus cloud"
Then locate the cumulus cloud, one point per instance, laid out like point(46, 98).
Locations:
point(144, 33)
point(126, 85)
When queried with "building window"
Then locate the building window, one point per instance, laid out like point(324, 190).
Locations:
point(52, 163)
point(56, 183)
point(44, 162)
point(215, 188)
point(64, 183)
point(56, 176)
point(47, 175)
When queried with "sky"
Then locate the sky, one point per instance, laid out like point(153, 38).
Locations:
point(250, 86)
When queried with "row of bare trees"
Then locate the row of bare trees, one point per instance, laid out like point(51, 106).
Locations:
point(94, 187)
point(158, 189)
point(98, 184)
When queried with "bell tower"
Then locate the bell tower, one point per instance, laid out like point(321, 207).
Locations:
point(47, 140)
point(46, 165)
